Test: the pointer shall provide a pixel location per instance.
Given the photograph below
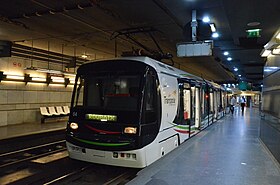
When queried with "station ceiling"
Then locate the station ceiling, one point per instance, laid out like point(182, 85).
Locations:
point(76, 27)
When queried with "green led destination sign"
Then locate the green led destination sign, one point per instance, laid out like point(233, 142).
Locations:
point(254, 33)
point(100, 117)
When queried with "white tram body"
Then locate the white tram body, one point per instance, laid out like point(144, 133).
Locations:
point(108, 132)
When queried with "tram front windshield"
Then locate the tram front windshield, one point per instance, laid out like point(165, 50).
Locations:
point(108, 92)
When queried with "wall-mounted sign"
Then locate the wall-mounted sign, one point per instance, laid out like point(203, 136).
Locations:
point(254, 33)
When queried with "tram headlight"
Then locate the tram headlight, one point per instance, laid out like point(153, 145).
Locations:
point(130, 130)
point(74, 126)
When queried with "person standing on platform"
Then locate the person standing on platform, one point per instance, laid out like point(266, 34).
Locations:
point(242, 103)
point(232, 104)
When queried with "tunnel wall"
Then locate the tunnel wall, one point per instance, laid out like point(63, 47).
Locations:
point(20, 102)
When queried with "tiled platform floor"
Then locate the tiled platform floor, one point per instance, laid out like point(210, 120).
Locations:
point(227, 153)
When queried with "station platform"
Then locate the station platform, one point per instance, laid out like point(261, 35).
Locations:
point(27, 129)
point(229, 152)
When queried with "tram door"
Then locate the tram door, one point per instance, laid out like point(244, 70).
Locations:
point(193, 104)
point(187, 102)
point(211, 101)
point(197, 107)
point(186, 110)
point(205, 102)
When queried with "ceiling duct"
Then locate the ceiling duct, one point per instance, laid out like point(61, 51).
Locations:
point(43, 55)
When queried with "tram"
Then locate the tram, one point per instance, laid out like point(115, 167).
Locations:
point(131, 111)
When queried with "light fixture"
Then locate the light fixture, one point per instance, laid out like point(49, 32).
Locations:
point(213, 28)
point(14, 77)
point(57, 79)
point(226, 53)
point(229, 59)
point(265, 53)
point(278, 36)
point(253, 24)
point(74, 126)
point(72, 81)
point(84, 56)
point(49, 80)
point(130, 130)
point(215, 35)
point(206, 19)
point(276, 51)
point(239, 75)
point(235, 69)
point(253, 33)
point(38, 79)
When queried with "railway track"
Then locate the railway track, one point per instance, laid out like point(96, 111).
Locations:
point(49, 164)
point(88, 175)
point(23, 155)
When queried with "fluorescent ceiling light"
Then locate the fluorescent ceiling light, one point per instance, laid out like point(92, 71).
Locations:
point(206, 19)
point(239, 75)
point(213, 28)
point(215, 35)
point(57, 79)
point(278, 36)
point(226, 53)
point(38, 79)
point(15, 77)
point(265, 53)
point(229, 59)
point(84, 56)
point(276, 51)
point(235, 69)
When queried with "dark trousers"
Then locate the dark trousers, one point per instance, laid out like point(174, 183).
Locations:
point(242, 107)
point(231, 109)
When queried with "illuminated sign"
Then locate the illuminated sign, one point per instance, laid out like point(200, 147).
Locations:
point(100, 117)
point(192, 49)
point(253, 33)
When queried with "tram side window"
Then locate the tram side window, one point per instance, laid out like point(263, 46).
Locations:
point(150, 99)
point(79, 93)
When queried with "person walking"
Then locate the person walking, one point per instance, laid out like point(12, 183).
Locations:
point(232, 104)
point(242, 103)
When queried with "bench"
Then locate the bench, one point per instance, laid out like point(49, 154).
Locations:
point(53, 112)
